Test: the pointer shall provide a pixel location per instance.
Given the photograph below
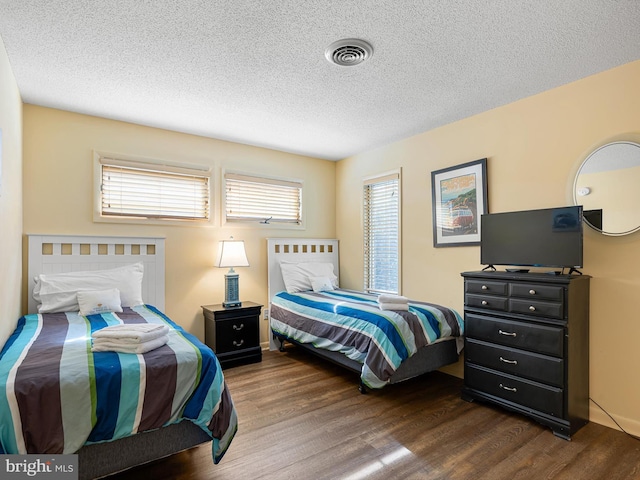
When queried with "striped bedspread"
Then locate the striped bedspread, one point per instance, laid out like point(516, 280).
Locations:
point(56, 395)
point(352, 323)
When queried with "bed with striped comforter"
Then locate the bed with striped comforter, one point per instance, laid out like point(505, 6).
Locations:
point(56, 395)
point(352, 323)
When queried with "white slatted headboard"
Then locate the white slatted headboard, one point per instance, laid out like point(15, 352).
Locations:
point(72, 253)
point(295, 250)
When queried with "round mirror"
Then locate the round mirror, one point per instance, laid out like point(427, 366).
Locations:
point(607, 187)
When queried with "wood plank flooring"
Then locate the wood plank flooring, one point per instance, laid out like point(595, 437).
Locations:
point(303, 418)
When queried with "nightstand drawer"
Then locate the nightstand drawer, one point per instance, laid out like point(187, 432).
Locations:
point(534, 395)
point(511, 333)
point(237, 334)
point(541, 368)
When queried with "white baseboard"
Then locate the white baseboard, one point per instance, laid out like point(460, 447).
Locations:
point(596, 415)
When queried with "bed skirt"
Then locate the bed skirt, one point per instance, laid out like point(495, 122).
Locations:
point(102, 459)
point(426, 359)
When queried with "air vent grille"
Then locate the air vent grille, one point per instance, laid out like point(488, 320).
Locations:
point(348, 52)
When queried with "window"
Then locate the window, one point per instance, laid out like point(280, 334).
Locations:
point(153, 190)
point(382, 234)
point(266, 200)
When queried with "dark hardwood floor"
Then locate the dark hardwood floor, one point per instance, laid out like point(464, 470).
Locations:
point(303, 418)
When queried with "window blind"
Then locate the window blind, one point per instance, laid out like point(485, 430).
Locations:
point(249, 198)
point(382, 234)
point(146, 190)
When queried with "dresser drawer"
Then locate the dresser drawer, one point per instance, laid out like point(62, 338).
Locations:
point(237, 334)
point(486, 287)
point(537, 308)
point(542, 398)
point(512, 333)
point(486, 301)
point(541, 368)
point(536, 291)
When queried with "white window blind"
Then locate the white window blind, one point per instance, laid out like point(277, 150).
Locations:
point(249, 198)
point(136, 189)
point(382, 234)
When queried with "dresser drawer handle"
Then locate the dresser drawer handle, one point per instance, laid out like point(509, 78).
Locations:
point(484, 302)
point(508, 334)
point(508, 389)
point(484, 287)
point(238, 327)
point(532, 308)
point(238, 344)
point(532, 291)
point(512, 362)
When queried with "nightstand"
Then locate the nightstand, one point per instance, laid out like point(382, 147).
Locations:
point(233, 333)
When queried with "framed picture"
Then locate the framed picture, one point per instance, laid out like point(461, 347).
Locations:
point(459, 197)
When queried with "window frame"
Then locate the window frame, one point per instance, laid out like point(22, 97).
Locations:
point(372, 180)
point(100, 158)
point(267, 179)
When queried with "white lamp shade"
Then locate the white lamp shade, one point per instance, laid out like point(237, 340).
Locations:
point(232, 254)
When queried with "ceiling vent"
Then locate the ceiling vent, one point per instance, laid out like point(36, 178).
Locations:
point(348, 52)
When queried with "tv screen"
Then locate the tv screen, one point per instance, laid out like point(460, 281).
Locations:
point(550, 237)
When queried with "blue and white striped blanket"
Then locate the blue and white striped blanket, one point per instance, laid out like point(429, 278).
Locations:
point(352, 323)
point(56, 395)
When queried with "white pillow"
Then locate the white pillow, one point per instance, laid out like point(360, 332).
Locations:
point(99, 301)
point(58, 291)
point(321, 284)
point(297, 276)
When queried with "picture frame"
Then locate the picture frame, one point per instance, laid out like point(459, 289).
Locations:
point(459, 198)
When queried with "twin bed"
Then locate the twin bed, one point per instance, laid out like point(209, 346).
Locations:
point(308, 309)
point(115, 410)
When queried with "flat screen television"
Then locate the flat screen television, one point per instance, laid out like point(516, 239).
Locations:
point(550, 237)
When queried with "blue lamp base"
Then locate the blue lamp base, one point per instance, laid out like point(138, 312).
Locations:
point(231, 290)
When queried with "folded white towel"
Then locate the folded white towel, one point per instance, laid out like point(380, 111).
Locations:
point(132, 333)
point(390, 298)
point(108, 345)
point(394, 306)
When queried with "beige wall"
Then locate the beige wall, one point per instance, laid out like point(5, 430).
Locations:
point(10, 198)
point(534, 147)
point(58, 179)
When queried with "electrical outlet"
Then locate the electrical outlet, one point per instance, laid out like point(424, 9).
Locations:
point(265, 314)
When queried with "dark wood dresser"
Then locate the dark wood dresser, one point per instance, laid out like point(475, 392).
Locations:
point(527, 345)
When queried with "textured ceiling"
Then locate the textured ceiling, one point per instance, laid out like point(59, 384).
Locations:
point(255, 72)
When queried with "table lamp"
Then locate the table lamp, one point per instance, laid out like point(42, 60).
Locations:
point(231, 255)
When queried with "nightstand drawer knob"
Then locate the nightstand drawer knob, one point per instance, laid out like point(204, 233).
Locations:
point(238, 344)
point(238, 327)
point(484, 287)
point(532, 308)
point(512, 362)
point(508, 334)
point(508, 389)
point(484, 302)
point(532, 291)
